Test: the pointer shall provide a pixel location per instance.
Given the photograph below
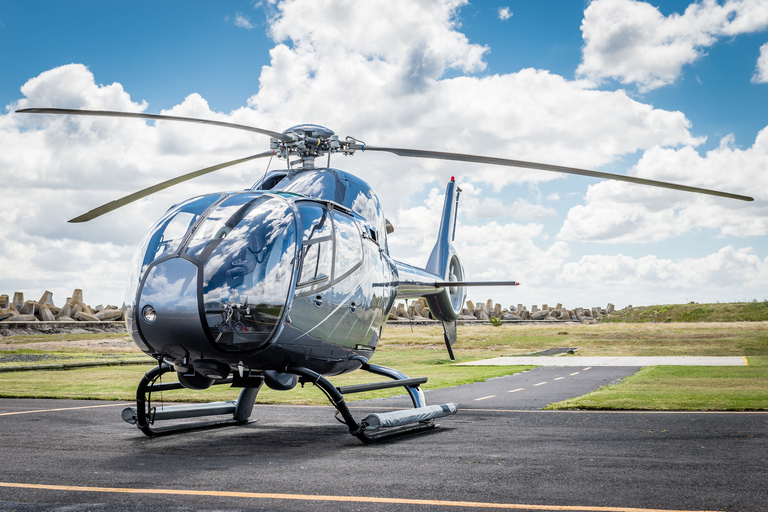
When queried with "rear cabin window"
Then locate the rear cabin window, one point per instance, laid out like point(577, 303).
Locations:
point(349, 245)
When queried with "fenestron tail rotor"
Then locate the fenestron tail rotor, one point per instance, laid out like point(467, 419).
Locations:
point(311, 141)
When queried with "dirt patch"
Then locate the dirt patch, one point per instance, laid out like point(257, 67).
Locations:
point(108, 344)
point(32, 328)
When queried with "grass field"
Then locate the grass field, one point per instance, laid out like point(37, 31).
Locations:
point(419, 351)
point(755, 311)
point(689, 388)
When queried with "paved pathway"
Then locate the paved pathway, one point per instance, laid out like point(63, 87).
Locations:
point(610, 361)
point(533, 389)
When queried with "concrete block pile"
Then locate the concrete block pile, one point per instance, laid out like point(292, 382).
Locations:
point(44, 310)
point(418, 311)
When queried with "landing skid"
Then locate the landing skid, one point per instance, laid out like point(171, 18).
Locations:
point(375, 427)
point(372, 428)
point(144, 415)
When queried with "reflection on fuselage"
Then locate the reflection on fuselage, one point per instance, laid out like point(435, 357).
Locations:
point(266, 278)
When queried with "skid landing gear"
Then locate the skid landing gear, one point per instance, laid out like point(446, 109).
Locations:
point(379, 426)
point(371, 428)
point(145, 414)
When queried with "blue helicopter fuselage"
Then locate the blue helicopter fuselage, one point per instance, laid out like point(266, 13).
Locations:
point(295, 270)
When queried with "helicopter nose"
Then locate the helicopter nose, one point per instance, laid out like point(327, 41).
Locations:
point(168, 307)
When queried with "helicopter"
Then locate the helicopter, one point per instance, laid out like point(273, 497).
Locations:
point(289, 282)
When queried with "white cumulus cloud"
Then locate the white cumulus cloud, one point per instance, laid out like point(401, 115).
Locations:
point(634, 43)
point(621, 212)
point(504, 13)
point(730, 274)
point(761, 72)
point(243, 21)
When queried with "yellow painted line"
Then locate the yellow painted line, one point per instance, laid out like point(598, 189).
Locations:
point(575, 373)
point(559, 378)
point(63, 409)
point(540, 383)
point(515, 390)
point(484, 398)
point(746, 363)
point(587, 368)
point(330, 498)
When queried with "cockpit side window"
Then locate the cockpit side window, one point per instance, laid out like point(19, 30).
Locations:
point(317, 249)
point(332, 248)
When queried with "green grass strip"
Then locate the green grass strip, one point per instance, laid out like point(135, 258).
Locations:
point(683, 388)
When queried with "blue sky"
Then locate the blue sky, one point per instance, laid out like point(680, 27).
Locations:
point(528, 85)
point(162, 51)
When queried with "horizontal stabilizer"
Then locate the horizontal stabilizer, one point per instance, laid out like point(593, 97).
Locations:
point(476, 283)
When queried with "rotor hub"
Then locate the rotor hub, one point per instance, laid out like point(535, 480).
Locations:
point(310, 141)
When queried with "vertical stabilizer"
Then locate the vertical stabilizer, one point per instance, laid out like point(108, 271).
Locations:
point(441, 253)
point(445, 263)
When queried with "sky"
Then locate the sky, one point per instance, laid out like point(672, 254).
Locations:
point(674, 91)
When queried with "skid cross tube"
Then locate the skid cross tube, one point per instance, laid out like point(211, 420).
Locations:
point(360, 388)
point(417, 395)
point(240, 409)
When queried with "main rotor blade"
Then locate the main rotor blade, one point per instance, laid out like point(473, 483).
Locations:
point(418, 153)
point(139, 115)
point(118, 203)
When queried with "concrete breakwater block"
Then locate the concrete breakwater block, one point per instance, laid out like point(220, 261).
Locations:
point(418, 311)
point(45, 310)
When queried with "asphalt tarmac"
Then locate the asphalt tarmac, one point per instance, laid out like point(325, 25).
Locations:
point(499, 452)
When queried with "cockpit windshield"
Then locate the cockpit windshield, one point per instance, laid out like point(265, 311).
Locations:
point(248, 246)
point(165, 237)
